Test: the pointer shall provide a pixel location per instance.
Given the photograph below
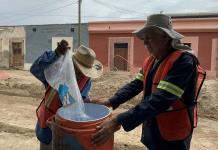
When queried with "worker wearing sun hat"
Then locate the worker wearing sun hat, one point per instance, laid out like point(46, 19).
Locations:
point(85, 60)
point(169, 79)
point(164, 23)
point(86, 67)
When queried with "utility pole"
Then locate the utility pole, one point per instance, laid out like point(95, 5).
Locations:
point(79, 22)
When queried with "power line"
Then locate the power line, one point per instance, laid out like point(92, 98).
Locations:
point(89, 17)
point(120, 9)
point(29, 8)
point(62, 15)
point(14, 14)
point(51, 10)
point(28, 15)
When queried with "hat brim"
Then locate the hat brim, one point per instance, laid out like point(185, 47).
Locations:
point(172, 33)
point(94, 72)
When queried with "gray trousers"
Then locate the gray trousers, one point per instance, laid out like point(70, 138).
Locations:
point(45, 146)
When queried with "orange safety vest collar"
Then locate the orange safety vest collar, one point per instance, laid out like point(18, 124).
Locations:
point(177, 123)
point(50, 103)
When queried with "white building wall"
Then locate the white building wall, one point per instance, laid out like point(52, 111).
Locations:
point(8, 34)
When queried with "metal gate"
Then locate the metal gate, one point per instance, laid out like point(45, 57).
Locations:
point(121, 56)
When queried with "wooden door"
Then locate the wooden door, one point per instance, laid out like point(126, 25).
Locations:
point(16, 54)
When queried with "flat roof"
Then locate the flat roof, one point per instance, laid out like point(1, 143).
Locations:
point(174, 16)
point(42, 25)
point(194, 15)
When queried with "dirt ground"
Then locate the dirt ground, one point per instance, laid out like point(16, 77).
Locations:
point(21, 93)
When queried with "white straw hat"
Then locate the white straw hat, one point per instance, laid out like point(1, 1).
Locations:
point(85, 60)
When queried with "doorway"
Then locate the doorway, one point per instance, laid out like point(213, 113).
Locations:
point(120, 53)
point(17, 54)
point(121, 56)
point(217, 62)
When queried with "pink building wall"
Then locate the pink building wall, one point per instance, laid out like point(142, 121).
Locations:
point(202, 33)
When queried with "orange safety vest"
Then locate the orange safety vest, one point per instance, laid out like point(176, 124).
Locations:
point(51, 102)
point(177, 123)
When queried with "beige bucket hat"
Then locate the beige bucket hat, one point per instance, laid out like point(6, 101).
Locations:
point(160, 21)
point(85, 60)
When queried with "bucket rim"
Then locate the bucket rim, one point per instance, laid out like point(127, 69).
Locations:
point(85, 121)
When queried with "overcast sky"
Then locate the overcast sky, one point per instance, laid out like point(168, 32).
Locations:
point(25, 12)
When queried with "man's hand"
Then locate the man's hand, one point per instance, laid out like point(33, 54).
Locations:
point(106, 131)
point(62, 47)
point(101, 101)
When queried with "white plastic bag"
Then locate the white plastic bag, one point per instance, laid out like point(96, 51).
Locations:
point(61, 76)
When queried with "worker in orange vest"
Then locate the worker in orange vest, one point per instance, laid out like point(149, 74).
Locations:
point(171, 79)
point(86, 67)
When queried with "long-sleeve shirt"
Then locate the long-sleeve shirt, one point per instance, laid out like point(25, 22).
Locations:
point(183, 75)
point(37, 69)
point(43, 62)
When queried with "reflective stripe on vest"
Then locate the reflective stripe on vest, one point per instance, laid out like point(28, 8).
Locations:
point(171, 88)
point(176, 122)
point(51, 103)
point(139, 76)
